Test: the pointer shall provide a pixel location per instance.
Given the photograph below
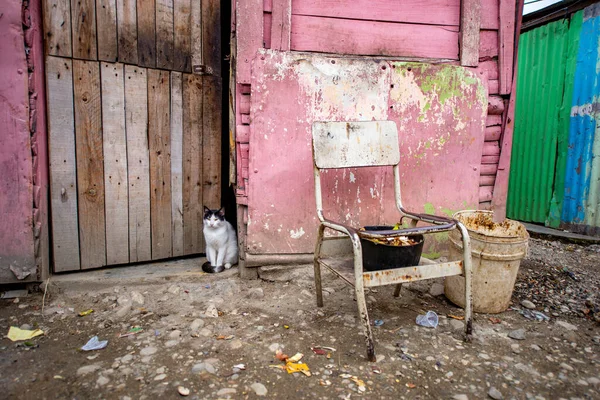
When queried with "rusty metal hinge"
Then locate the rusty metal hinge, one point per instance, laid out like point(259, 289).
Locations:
point(202, 70)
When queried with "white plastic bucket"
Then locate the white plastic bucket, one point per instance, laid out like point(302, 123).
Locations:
point(497, 251)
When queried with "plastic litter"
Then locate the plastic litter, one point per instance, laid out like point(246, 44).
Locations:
point(378, 322)
point(15, 334)
point(429, 320)
point(86, 312)
point(94, 344)
point(532, 314)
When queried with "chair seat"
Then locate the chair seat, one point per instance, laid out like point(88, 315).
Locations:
point(344, 268)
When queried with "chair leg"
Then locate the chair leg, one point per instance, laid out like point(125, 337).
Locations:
point(468, 271)
point(397, 290)
point(359, 291)
point(317, 265)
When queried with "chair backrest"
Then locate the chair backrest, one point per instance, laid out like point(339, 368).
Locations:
point(355, 144)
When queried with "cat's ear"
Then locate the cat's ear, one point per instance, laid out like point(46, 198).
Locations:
point(206, 209)
point(221, 212)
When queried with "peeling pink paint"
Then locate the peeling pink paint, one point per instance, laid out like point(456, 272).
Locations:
point(441, 134)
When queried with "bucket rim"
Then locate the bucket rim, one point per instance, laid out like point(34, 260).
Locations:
point(514, 238)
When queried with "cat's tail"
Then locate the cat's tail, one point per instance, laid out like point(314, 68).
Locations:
point(209, 269)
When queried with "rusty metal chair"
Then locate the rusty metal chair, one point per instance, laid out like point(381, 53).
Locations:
point(339, 145)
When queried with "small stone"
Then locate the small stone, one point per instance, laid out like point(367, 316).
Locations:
point(226, 392)
point(87, 369)
point(528, 304)
point(123, 311)
point(183, 391)
point(175, 334)
point(515, 348)
point(259, 389)
point(535, 347)
point(197, 324)
point(148, 351)
point(160, 377)
point(593, 381)
point(171, 343)
point(566, 325)
point(137, 298)
point(437, 289)
point(460, 397)
point(160, 370)
point(126, 358)
point(203, 366)
point(236, 344)
point(495, 394)
point(379, 358)
point(205, 332)
point(518, 334)
point(484, 356)
point(173, 289)
point(102, 380)
point(274, 347)
point(566, 366)
point(256, 293)
point(582, 382)
point(456, 324)
point(26, 327)
point(449, 374)
point(211, 311)
point(123, 300)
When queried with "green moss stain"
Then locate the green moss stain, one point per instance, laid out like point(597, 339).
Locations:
point(433, 255)
point(429, 208)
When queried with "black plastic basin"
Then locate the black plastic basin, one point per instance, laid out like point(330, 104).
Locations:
point(377, 257)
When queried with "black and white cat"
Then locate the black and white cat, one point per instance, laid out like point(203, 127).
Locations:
point(221, 241)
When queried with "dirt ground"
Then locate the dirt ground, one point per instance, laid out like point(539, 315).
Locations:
point(199, 328)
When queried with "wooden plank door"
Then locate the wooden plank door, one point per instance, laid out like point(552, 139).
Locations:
point(134, 120)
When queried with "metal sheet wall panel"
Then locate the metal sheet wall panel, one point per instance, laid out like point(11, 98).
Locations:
point(582, 184)
point(541, 122)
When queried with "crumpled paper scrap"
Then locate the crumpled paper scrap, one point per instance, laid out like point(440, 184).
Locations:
point(15, 334)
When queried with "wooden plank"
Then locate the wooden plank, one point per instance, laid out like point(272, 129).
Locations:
point(63, 178)
point(489, 14)
point(164, 34)
point(507, 43)
point(107, 35)
point(83, 22)
point(146, 31)
point(90, 162)
point(487, 180)
point(127, 28)
point(115, 163)
point(495, 105)
point(488, 44)
point(491, 148)
point(211, 36)
point(501, 184)
point(493, 133)
point(177, 162)
point(249, 21)
point(138, 172)
point(373, 38)
point(493, 120)
point(57, 27)
point(470, 21)
point(159, 134)
point(267, 26)
point(490, 159)
point(211, 142)
point(280, 25)
point(196, 32)
point(192, 164)
point(493, 86)
point(485, 193)
point(182, 35)
point(436, 12)
point(488, 69)
point(488, 169)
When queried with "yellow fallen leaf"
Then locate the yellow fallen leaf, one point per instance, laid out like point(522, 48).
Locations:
point(359, 382)
point(86, 312)
point(15, 334)
point(297, 367)
point(297, 357)
point(456, 317)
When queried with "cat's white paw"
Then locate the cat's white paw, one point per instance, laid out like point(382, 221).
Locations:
point(227, 266)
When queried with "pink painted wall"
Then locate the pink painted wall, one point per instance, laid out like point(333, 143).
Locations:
point(426, 31)
point(23, 162)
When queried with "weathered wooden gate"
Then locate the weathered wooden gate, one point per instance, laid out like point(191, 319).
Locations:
point(134, 118)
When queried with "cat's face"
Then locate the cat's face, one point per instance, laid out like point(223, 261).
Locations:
point(213, 218)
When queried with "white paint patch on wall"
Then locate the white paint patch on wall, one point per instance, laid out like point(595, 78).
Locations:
point(297, 234)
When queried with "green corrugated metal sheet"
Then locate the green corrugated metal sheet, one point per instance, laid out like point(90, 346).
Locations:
point(546, 56)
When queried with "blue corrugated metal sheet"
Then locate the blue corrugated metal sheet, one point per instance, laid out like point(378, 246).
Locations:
point(582, 183)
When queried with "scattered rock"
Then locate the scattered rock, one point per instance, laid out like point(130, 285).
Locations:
point(518, 334)
point(87, 369)
point(566, 366)
point(197, 324)
point(567, 325)
point(160, 377)
point(174, 289)
point(528, 304)
point(274, 347)
point(211, 311)
point(226, 392)
point(456, 324)
point(460, 397)
point(259, 389)
point(175, 334)
point(205, 332)
point(437, 289)
point(123, 300)
point(202, 367)
point(593, 381)
point(495, 394)
point(137, 298)
point(256, 293)
point(236, 344)
point(148, 351)
point(102, 380)
point(183, 391)
point(123, 311)
point(171, 343)
point(126, 358)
